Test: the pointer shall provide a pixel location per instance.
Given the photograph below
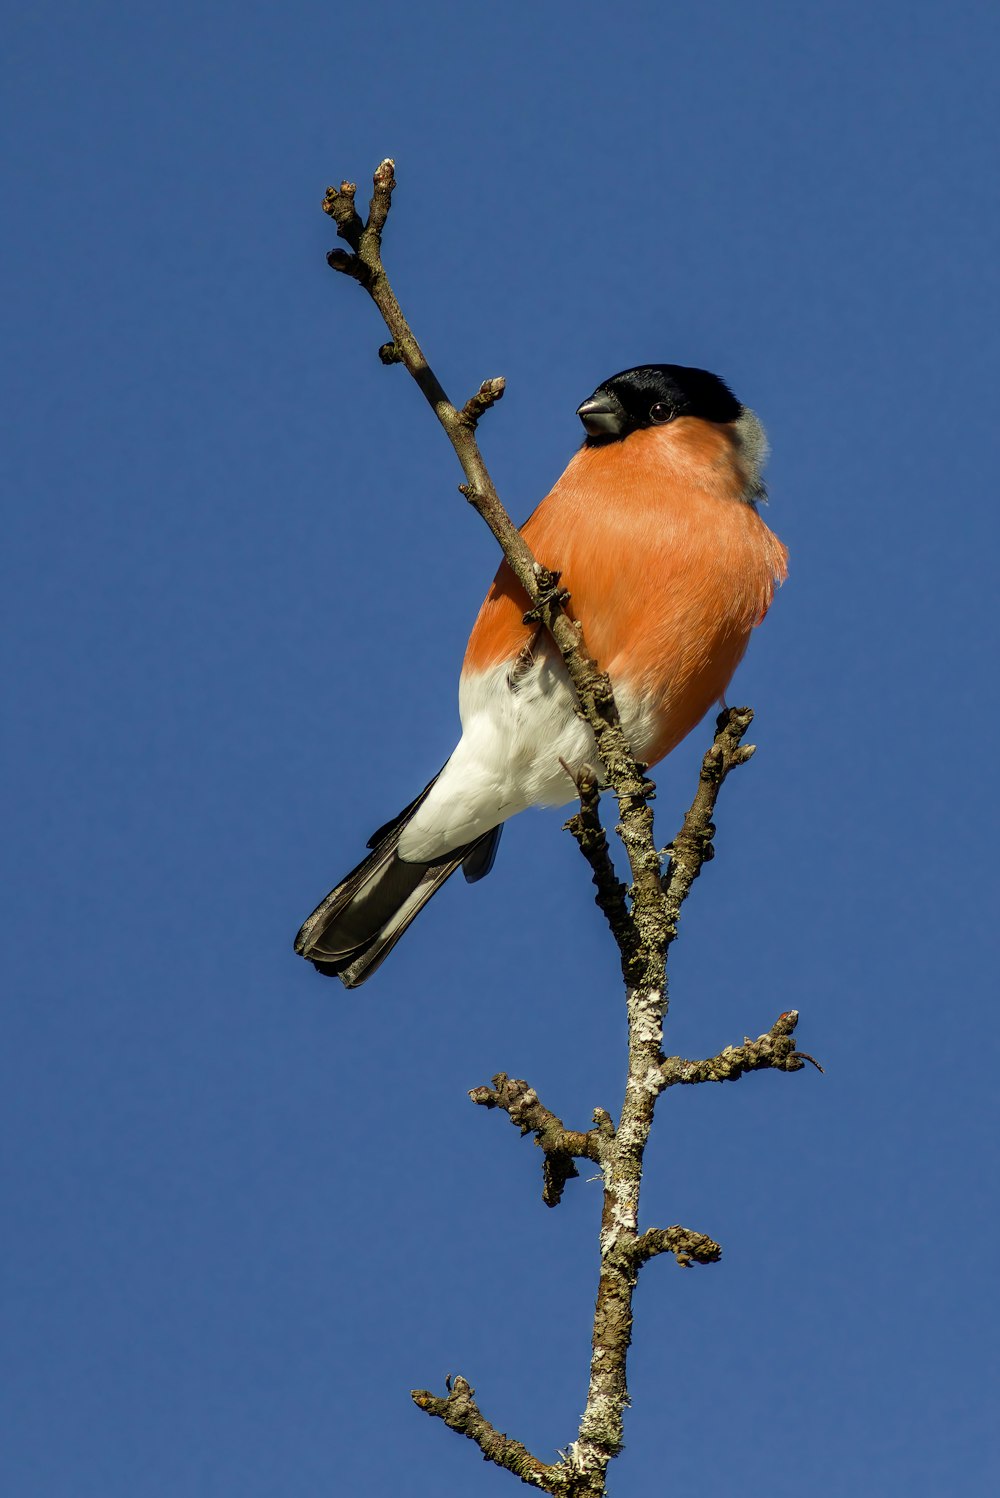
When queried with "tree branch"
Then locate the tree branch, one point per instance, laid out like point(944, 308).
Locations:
point(588, 830)
point(693, 846)
point(459, 1410)
point(775, 1050)
point(644, 920)
point(687, 1248)
point(561, 1145)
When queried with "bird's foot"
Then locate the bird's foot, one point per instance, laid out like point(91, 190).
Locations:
point(549, 591)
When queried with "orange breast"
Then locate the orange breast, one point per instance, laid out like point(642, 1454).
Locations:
point(667, 567)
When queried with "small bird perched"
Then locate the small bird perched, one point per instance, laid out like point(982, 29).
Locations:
point(655, 532)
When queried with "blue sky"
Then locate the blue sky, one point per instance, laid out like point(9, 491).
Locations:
point(246, 1211)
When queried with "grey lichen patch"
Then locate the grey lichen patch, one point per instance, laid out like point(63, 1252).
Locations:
point(585, 1458)
point(645, 1011)
point(653, 1080)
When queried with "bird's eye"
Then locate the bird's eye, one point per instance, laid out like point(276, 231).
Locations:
point(661, 412)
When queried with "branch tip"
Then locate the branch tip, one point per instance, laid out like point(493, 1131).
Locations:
point(687, 1248)
point(339, 204)
point(489, 392)
point(383, 183)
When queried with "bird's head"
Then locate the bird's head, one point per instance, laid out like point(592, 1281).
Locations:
point(653, 395)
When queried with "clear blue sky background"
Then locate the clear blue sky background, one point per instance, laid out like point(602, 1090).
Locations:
point(245, 1211)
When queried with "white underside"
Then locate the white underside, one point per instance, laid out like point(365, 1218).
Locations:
point(508, 756)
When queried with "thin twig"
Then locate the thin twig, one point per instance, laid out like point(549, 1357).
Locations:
point(693, 846)
point(588, 830)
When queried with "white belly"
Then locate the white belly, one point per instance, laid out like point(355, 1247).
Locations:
point(508, 757)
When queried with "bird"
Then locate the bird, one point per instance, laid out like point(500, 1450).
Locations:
point(655, 530)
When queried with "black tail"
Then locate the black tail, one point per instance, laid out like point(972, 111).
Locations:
point(360, 921)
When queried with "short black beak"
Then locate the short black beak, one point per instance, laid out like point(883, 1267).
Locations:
point(603, 415)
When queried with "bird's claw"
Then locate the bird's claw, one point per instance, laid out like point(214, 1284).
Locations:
point(550, 593)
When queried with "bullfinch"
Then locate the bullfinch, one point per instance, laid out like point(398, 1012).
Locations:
point(654, 528)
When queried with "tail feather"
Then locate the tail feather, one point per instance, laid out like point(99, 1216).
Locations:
point(481, 856)
point(359, 964)
point(351, 932)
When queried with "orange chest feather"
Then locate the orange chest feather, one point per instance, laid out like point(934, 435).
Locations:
point(667, 567)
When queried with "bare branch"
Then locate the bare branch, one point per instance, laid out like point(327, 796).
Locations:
point(693, 845)
point(687, 1248)
point(775, 1050)
point(340, 206)
point(643, 919)
point(587, 829)
point(653, 917)
point(561, 1145)
point(383, 183)
point(458, 1409)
